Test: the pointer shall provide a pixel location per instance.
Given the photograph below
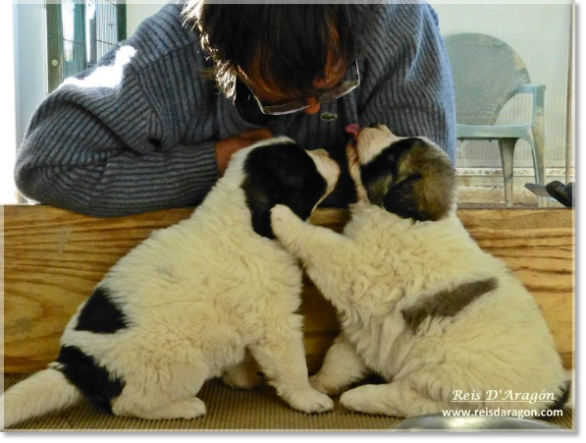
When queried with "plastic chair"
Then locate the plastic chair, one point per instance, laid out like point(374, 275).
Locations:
point(487, 73)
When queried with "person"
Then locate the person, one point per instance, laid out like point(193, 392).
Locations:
point(154, 125)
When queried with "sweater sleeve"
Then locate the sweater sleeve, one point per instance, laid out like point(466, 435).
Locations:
point(99, 146)
point(407, 82)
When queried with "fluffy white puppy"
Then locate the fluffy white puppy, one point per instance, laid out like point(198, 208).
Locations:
point(189, 302)
point(447, 325)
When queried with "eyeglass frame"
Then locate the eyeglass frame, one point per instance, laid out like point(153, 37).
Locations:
point(346, 87)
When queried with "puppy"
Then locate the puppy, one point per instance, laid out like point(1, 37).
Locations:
point(447, 325)
point(188, 303)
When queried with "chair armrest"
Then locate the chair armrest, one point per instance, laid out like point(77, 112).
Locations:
point(532, 89)
point(538, 92)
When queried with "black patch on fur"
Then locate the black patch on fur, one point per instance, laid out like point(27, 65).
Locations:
point(280, 174)
point(393, 180)
point(93, 380)
point(563, 398)
point(446, 303)
point(100, 314)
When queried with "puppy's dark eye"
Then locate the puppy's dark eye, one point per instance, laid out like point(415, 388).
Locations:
point(410, 178)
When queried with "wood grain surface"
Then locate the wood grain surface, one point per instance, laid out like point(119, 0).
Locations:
point(54, 258)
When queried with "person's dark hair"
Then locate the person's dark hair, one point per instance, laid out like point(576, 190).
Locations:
point(293, 41)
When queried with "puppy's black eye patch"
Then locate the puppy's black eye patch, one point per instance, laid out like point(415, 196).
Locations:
point(379, 175)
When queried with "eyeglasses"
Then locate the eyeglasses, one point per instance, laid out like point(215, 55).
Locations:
point(344, 88)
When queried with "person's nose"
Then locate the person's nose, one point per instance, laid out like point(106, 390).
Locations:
point(313, 106)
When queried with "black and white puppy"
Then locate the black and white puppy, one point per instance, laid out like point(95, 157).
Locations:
point(447, 325)
point(192, 300)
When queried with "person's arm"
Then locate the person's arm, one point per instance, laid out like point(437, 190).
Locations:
point(110, 143)
point(407, 82)
point(84, 167)
point(102, 151)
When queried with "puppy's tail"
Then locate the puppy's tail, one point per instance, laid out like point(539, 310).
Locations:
point(43, 392)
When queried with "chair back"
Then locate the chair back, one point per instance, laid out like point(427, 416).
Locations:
point(487, 72)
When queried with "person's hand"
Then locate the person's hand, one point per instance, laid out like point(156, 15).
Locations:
point(227, 147)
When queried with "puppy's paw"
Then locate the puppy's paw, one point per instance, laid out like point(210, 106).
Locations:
point(358, 399)
point(368, 399)
point(318, 383)
point(281, 214)
point(186, 409)
point(355, 399)
point(283, 221)
point(310, 401)
point(193, 408)
point(241, 378)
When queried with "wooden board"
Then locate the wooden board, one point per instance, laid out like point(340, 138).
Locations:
point(53, 259)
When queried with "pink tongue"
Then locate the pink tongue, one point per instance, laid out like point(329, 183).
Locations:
point(354, 129)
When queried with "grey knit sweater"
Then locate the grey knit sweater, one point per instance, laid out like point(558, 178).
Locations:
point(138, 132)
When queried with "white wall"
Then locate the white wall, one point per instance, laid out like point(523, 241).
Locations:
point(138, 10)
point(24, 83)
point(540, 33)
point(7, 105)
point(31, 62)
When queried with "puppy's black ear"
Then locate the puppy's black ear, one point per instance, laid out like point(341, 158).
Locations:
point(378, 176)
point(260, 201)
point(282, 173)
point(426, 197)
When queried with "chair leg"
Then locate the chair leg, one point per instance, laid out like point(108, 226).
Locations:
point(538, 150)
point(507, 148)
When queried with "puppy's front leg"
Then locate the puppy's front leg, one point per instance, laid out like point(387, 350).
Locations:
point(281, 356)
point(315, 245)
point(326, 254)
point(300, 238)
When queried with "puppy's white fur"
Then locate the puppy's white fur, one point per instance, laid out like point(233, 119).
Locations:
point(197, 297)
point(383, 265)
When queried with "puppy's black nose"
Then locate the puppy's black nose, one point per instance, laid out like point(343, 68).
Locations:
point(373, 125)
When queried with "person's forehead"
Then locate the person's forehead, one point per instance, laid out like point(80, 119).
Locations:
point(334, 75)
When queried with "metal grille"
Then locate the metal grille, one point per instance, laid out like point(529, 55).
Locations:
point(73, 32)
point(102, 19)
point(80, 33)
